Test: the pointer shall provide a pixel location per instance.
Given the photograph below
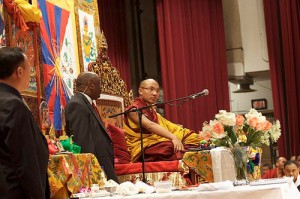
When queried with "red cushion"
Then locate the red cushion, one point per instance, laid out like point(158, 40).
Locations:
point(150, 167)
point(121, 153)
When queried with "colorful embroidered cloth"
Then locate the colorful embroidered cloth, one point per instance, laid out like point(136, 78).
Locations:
point(201, 163)
point(75, 171)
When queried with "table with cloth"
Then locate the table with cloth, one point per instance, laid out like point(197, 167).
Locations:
point(214, 165)
point(70, 172)
point(271, 191)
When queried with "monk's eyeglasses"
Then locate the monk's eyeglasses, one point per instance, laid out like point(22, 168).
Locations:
point(151, 89)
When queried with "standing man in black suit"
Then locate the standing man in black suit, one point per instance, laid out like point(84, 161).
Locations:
point(84, 122)
point(23, 148)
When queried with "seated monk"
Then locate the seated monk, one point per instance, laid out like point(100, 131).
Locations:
point(278, 171)
point(162, 139)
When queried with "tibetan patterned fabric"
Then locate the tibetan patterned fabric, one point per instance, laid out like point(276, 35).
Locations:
point(256, 174)
point(75, 171)
point(201, 163)
point(108, 107)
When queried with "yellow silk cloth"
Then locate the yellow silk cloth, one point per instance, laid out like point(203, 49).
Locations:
point(74, 171)
point(201, 163)
point(30, 12)
point(133, 138)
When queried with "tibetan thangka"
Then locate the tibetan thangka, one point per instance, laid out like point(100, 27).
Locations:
point(27, 41)
point(88, 38)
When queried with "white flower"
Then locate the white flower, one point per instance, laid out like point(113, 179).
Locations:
point(226, 118)
point(275, 131)
point(207, 127)
point(265, 139)
point(254, 114)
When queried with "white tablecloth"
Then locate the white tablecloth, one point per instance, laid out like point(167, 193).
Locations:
point(272, 191)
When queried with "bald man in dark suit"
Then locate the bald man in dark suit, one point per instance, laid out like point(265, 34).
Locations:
point(84, 122)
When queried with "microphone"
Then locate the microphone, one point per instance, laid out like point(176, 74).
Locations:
point(204, 92)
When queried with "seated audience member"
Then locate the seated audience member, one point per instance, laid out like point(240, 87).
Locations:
point(293, 157)
point(276, 172)
point(161, 138)
point(298, 161)
point(266, 167)
point(291, 169)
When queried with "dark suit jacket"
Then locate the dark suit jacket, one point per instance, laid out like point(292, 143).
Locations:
point(23, 150)
point(83, 122)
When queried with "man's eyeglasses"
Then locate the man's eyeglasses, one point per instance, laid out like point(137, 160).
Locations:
point(151, 89)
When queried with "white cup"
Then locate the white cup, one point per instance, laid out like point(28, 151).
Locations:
point(95, 188)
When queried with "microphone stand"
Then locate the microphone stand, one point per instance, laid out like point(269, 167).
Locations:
point(140, 111)
point(142, 145)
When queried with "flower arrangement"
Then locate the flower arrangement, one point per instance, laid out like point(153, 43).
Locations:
point(229, 129)
point(242, 134)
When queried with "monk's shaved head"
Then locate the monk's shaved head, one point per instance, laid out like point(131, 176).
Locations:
point(147, 82)
point(149, 91)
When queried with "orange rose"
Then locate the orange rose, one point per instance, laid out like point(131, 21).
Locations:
point(206, 135)
point(253, 122)
point(260, 126)
point(268, 125)
point(218, 128)
point(240, 120)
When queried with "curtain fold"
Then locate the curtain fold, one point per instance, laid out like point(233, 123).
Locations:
point(113, 24)
point(283, 38)
point(193, 58)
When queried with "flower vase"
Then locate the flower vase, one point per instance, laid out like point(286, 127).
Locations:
point(240, 159)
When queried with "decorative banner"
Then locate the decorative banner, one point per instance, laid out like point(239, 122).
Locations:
point(88, 38)
point(2, 26)
point(88, 26)
point(59, 55)
point(25, 40)
point(68, 58)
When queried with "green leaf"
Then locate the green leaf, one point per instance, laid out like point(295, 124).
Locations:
point(231, 134)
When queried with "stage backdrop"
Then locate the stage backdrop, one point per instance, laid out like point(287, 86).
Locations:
point(193, 58)
point(283, 37)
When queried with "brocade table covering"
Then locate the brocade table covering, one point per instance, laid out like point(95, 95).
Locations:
point(74, 171)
